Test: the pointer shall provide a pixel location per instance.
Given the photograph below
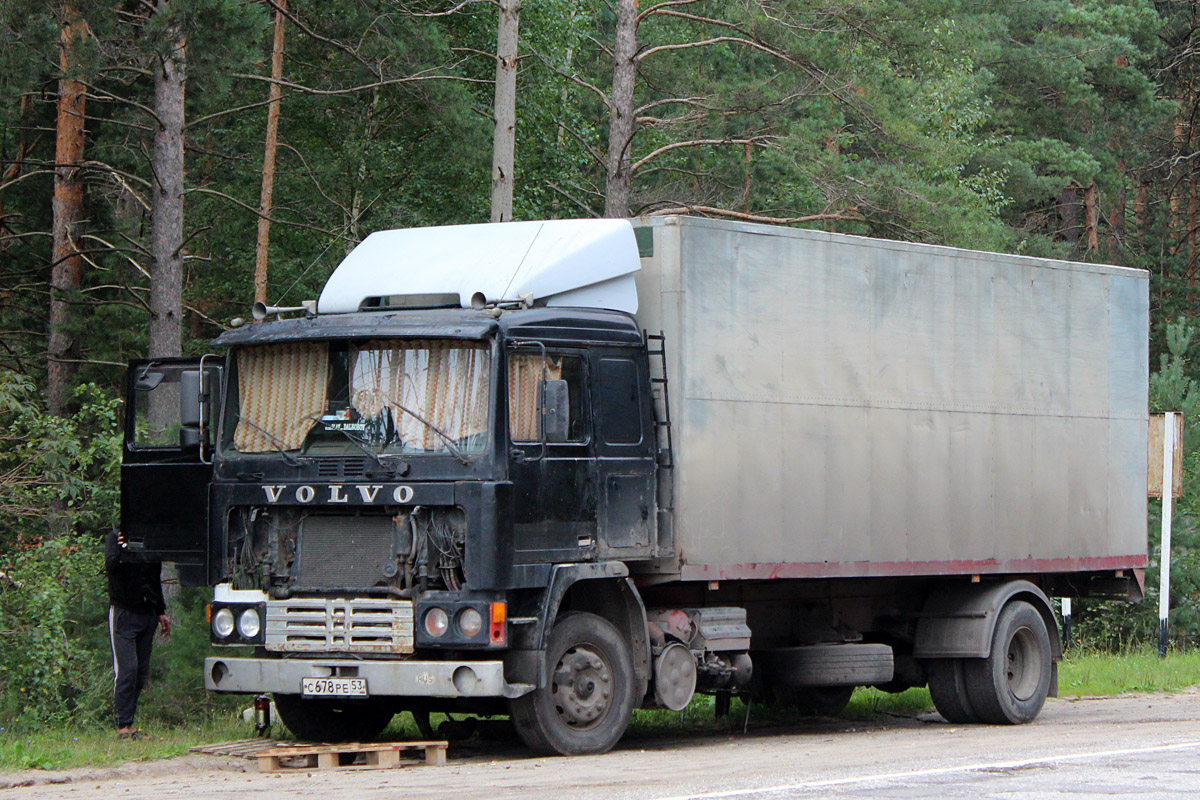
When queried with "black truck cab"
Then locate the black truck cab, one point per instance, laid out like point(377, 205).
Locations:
point(387, 500)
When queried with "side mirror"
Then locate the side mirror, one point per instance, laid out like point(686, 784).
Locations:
point(189, 398)
point(148, 381)
point(555, 411)
point(189, 408)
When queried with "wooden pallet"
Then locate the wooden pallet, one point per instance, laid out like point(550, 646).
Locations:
point(242, 748)
point(353, 755)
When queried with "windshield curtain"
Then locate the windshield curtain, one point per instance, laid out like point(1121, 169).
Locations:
point(283, 390)
point(423, 385)
point(407, 396)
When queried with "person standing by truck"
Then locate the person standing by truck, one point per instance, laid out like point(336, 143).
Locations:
point(136, 609)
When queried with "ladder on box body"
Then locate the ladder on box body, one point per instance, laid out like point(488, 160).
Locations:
point(660, 403)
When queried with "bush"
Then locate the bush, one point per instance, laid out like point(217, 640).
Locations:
point(52, 597)
point(59, 493)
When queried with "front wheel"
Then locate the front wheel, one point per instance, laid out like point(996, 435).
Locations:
point(589, 695)
point(333, 720)
point(1010, 686)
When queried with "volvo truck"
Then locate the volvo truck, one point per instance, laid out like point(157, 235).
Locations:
point(560, 470)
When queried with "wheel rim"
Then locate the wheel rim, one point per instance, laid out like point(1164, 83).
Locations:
point(1021, 665)
point(582, 687)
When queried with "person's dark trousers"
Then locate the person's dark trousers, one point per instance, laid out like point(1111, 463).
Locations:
point(132, 635)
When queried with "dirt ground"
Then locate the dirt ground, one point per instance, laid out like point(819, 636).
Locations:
point(660, 765)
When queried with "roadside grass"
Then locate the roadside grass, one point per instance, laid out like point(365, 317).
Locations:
point(1084, 673)
point(1081, 673)
point(64, 748)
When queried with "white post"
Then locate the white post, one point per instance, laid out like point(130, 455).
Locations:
point(1168, 486)
point(1066, 615)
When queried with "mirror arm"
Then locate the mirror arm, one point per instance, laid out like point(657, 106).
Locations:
point(205, 400)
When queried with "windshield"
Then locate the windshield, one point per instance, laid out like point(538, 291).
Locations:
point(392, 396)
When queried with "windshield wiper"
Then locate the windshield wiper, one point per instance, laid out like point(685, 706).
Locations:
point(389, 469)
point(272, 439)
point(449, 442)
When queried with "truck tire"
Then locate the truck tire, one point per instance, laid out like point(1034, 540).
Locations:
point(1010, 686)
point(590, 690)
point(333, 720)
point(825, 665)
point(948, 688)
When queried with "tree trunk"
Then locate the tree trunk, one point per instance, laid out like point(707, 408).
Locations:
point(618, 189)
point(504, 138)
point(1068, 214)
point(266, 197)
point(1091, 219)
point(1176, 196)
point(166, 218)
point(370, 132)
point(66, 273)
point(1116, 218)
point(1192, 213)
point(24, 148)
point(748, 163)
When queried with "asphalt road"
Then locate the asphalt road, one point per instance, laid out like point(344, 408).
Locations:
point(1143, 746)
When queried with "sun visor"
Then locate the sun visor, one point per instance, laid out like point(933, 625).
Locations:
point(557, 262)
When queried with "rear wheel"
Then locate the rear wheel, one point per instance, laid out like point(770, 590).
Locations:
point(333, 720)
point(1010, 686)
point(948, 688)
point(589, 694)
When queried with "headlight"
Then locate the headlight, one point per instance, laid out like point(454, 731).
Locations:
point(436, 622)
point(222, 623)
point(470, 622)
point(249, 624)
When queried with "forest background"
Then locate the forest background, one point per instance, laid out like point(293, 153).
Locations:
point(165, 162)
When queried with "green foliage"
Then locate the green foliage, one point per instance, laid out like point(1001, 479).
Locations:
point(50, 595)
point(63, 468)
point(59, 495)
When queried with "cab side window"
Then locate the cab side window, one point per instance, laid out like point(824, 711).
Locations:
point(524, 375)
point(621, 413)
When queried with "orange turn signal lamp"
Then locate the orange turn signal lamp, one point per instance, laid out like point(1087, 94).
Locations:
point(499, 616)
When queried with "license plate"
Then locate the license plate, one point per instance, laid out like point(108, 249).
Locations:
point(333, 687)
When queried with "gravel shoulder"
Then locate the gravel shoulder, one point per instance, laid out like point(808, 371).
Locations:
point(661, 764)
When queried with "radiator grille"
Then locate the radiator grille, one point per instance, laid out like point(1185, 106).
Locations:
point(326, 625)
point(345, 552)
point(341, 468)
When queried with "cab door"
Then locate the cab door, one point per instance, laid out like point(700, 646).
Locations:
point(554, 483)
point(166, 465)
point(625, 455)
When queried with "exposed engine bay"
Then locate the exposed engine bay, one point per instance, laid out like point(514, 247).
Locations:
point(286, 551)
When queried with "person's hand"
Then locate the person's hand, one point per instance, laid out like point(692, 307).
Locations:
point(165, 623)
point(121, 540)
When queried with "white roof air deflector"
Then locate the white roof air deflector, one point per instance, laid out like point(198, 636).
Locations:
point(572, 262)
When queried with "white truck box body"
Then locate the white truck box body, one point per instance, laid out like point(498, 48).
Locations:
point(845, 406)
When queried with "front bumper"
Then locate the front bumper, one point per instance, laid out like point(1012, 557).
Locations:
point(384, 678)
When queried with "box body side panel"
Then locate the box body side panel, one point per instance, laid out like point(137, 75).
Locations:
point(845, 406)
